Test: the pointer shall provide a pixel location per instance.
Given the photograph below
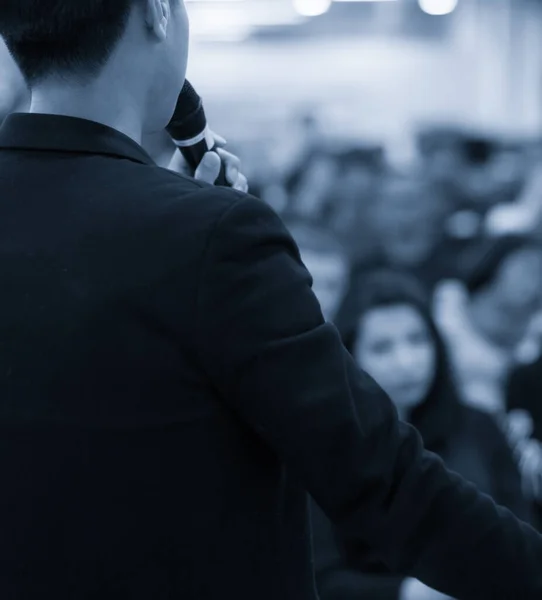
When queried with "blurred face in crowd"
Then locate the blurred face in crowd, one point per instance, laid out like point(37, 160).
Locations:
point(407, 221)
point(515, 293)
point(394, 345)
point(346, 204)
point(330, 278)
point(494, 181)
point(443, 163)
point(519, 281)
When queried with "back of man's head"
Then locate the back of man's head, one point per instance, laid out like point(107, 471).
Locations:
point(62, 37)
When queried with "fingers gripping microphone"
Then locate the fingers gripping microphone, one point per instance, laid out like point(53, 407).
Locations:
point(190, 132)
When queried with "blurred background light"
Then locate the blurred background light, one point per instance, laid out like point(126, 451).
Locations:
point(237, 20)
point(438, 7)
point(312, 8)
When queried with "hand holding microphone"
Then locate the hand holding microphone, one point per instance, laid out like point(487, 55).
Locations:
point(413, 589)
point(202, 149)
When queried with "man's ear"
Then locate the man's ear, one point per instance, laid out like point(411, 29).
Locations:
point(158, 14)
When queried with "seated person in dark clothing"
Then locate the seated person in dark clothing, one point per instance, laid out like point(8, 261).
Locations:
point(335, 188)
point(393, 337)
point(524, 405)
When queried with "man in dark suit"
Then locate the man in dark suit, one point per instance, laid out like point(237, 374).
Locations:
point(168, 385)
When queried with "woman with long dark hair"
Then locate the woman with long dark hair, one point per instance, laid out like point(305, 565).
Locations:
point(390, 332)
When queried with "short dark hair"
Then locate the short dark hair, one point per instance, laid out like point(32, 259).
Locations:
point(62, 37)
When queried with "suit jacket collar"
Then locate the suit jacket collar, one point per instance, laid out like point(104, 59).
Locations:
point(58, 133)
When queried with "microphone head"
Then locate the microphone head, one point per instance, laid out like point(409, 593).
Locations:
point(189, 120)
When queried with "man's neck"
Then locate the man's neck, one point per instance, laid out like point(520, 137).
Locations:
point(92, 102)
point(160, 147)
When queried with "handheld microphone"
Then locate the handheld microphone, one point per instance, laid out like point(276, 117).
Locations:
point(189, 130)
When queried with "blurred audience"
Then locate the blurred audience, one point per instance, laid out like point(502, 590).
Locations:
point(406, 221)
point(477, 170)
point(347, 207)
point(310, 183)
point(335, 187)
point(393, 337)
point(487, 322)
point(408, 217)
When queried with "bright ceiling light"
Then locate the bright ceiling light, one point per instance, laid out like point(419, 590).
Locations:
point(312, 8)
point(438, 7)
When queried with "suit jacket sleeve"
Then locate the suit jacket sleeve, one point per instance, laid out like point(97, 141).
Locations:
point(345, 584)
point(336, 578)
point(265, 346)
point(505, 475)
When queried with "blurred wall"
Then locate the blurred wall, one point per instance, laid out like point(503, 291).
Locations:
point(487, 72)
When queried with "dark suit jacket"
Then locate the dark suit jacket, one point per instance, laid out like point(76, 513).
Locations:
point(169, 389)
point(524, 391)
point(471, 444)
